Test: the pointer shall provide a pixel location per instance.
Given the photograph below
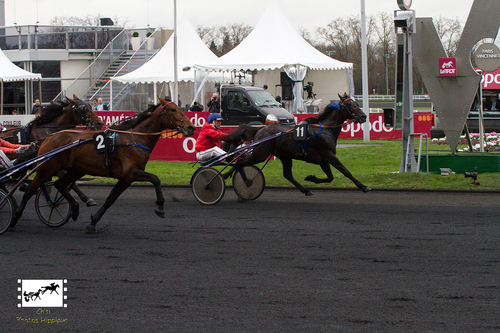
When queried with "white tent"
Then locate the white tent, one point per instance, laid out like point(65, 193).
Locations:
point(273, 46)
point(160, 69)
point(10, 73)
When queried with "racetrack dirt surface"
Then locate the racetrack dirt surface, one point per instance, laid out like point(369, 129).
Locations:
point(338, 261)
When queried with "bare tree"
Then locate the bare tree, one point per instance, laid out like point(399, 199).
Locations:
point(449, 30)
point(345, 36)
point(222, 39)
point(89, 20)
point(384, 49)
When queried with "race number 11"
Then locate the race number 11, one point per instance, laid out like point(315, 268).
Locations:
point(299, 132)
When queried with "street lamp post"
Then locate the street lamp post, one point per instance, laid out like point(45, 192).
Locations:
point(386, 56)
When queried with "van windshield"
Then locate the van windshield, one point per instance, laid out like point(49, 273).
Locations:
point(263, 98)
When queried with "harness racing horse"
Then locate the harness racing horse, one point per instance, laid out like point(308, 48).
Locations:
point(318, 146)
point(126, 159)
point(59, 115)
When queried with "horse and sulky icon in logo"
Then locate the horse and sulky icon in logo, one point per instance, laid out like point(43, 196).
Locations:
point(47, 293)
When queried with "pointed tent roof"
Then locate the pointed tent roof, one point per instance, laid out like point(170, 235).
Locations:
point(190, 50)
point(10, 72)
point(273, 43)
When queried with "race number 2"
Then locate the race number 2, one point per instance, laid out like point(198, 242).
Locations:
point(100, 142)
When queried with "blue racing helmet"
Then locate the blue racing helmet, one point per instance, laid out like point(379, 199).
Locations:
point(214, 116)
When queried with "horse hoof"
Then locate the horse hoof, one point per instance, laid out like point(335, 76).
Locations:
point(90, 203)
point(310, 178)
point(366, 189)
point(241, 200)
point(91, 229)
point(13, 228)
point(74, 214)
point(160, 213)
point(308, 193)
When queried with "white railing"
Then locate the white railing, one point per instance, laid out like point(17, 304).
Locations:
point(390, 97)
point(116, 91)
point(89, 76)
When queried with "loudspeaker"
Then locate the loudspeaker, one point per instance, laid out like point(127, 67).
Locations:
point(106, 21)
point(285, 79)
point(286, 86)
point(389, 117)
point(287, 93)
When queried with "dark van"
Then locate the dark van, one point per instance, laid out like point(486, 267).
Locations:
point(251, 105)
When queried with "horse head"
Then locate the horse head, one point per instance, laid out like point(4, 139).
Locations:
point(172, 117)
point(83, 114)
point(350, 106)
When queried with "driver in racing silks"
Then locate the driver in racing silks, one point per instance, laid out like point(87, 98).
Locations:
point(11, 149)
point(210, 139)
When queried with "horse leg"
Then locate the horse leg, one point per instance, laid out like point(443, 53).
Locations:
point(287, 173)
point(328, 172)
point(88, 201)
point(118, 189)
point(333, 160)
point(29, 192)
point(62, 184)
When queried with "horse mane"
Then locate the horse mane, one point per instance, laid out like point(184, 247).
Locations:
point(49, 113)
point(133, 122)
point(327, 111)
point(243, 132)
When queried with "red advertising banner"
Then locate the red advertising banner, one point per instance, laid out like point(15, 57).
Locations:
point(491, 80)
point(181, 148)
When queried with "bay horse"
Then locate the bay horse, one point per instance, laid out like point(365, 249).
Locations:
point(58, 115)
point(318, 147)
point(132, 143)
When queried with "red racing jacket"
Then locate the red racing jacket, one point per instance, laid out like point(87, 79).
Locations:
point(9, 148)
point(209, 137)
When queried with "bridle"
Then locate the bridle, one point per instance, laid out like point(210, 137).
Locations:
point(85, 119)
point(351, 113)
point(165, 112)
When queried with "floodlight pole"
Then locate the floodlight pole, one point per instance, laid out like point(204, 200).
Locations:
point(175, 98)
point(364, 69)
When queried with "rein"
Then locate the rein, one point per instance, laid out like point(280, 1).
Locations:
point(133, 144)
point(347, 122)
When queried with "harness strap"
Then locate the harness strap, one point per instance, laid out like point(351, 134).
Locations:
point(138, 133)
point(133, 144)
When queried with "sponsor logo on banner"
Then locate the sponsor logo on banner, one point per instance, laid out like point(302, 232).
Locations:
point(491, 80)
point(447, 67)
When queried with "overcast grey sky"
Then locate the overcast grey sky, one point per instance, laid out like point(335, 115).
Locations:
point(308, 14)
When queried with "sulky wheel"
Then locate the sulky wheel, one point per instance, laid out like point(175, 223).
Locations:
point(249, 182)
point(51, 206)
point(7, 208)
point(208, 186)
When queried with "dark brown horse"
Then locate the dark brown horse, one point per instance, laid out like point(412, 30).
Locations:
point(58, 115)
point(318, 147)
point(126, 161)
point(61, 115)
